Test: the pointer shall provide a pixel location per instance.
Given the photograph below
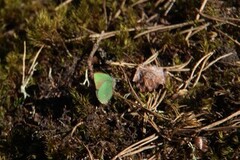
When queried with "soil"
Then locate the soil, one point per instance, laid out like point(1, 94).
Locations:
point(184, 101)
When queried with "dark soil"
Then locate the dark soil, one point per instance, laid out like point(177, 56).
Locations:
point(189, 112)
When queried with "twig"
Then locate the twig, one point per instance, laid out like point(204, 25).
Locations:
point(137, 147)
point(203, 67)
point(34, 61)
point(158, 3)
point(197, 18)
point(62, 4)
point(219, 58)
point(219, 19)
point(170, 4)
point(105, 14)
point(150, 59)
point(222, 128)
point(24, 59)
point(132, 90)
point(122, 64)
point(196, 29)
point(164, 28)
point(90, 58)
point(104, 35)
point(235, 41)
point(75, 127)
point(195, 67)
point(138, 2)
point(219, 122)
point(107, 35)
point(201, 70)
point(88, 150)
point(120, 9)
point(140, 107)
point(176, 68)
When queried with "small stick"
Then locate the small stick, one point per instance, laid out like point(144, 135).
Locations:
point(75, 127)
point(137, 147)
point(219, 122)
point(120, 9)
point(62, 4)
point(164, 28)
point(24, 59)
point(195, 67)
point(201, 70)
point(90, 58)
point(169, 7)
point(219, 19)
point(235, 41)
point(197, 18)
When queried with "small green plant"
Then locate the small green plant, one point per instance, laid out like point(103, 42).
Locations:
point(104, 84)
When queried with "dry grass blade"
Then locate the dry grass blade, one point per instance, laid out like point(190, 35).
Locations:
point(178, 68)
point(219, 19)
point(158, 99)
point(25, 80)
point(164, 28)
point(34, 60)
point(122, 64)
point(219, 58)
point(203, 67)
point(153, 102)
point(94, 35)
point(201, 70)
point(197, 18)
point(120, 10)
point(158, 2)
point(90, 58)
point(161, 28)
point(169, 6)
point(88, 150)
point(195, 30)
point(75, 127)
point(109, 34)
point(219, 122)
point(131, 88)
point(138, 147)
point(150, 59)
point(24, 59)
point(201, 8)
point(195, 67)
point(235, 41)
point(133, 65)
point(138, 2)
point(63, 4)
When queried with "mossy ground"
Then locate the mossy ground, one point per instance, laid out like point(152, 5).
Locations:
point(62, 119)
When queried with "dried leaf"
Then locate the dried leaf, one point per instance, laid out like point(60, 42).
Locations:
point(149, 78)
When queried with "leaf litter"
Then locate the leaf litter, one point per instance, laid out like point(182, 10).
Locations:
point(150, 77)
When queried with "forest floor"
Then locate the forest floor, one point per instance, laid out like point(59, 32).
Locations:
point(109, 79)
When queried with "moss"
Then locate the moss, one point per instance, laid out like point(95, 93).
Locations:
point(58, 102)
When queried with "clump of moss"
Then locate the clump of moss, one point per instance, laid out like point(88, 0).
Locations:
point(62, 117)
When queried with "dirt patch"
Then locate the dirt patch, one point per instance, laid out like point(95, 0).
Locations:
point(49, 108)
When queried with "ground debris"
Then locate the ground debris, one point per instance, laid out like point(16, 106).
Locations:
point(149, 78)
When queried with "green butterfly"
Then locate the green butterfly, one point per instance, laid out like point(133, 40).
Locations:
point(104, 86)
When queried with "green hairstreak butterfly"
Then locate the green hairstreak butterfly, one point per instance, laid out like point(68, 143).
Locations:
point(104, 84)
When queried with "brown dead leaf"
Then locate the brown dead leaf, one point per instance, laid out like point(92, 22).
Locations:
point(149, 78)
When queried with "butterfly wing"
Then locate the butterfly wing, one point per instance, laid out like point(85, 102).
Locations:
point(100, 78)
point(105, 92)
